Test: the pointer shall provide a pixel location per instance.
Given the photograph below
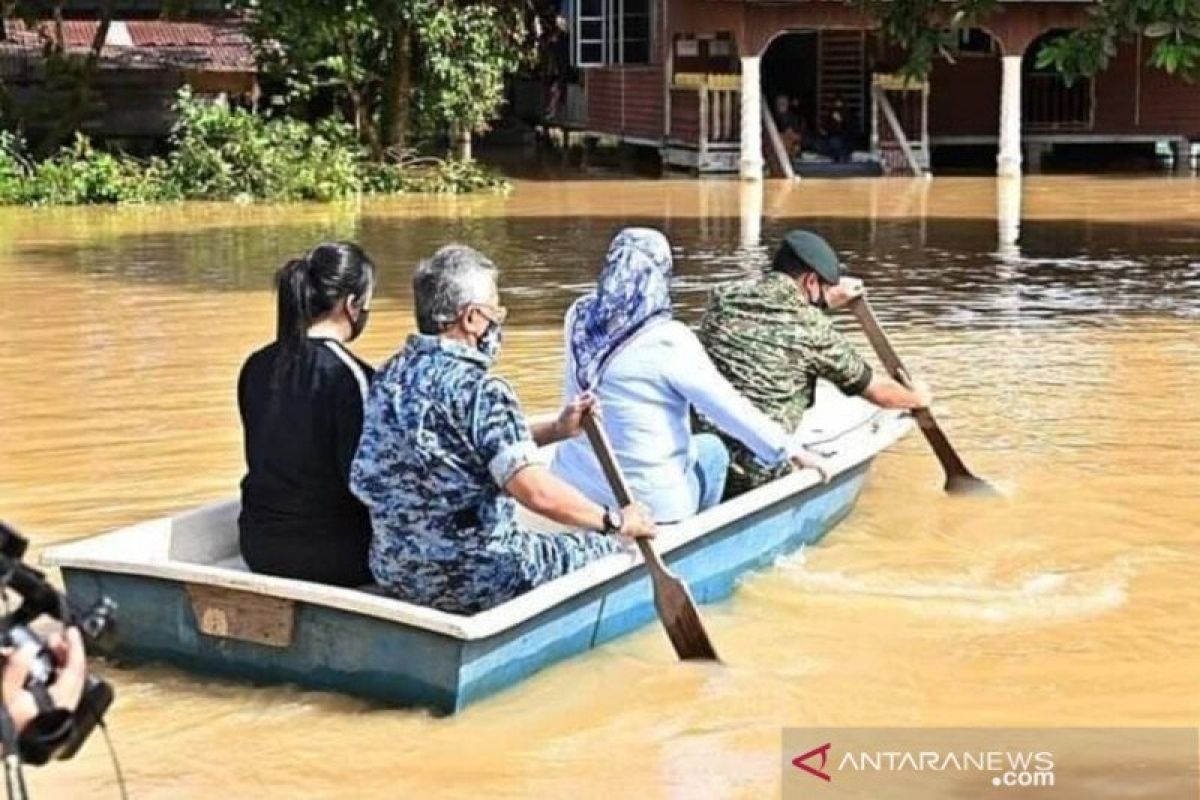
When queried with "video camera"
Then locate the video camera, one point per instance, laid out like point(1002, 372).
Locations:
point(54, 732)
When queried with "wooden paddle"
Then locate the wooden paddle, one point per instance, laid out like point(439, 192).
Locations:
point(959, 479)
point(674, 602)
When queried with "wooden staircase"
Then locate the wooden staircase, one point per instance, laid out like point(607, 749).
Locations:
point(842, 67)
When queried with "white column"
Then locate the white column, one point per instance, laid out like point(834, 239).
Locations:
point(1008, 217)
point(751, 164)
point(1008, 160)
point(750, 210)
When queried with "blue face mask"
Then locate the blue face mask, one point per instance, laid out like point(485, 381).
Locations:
point(489, 343)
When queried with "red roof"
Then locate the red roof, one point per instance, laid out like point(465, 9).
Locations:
point(201, 46)
point(181, 34)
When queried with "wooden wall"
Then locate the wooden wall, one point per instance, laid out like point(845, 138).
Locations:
point(1130, 97)
point(625, 100)
point(964, 99)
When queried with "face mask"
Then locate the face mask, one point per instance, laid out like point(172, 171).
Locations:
point(820, 303)
point(357, 326)
point(489, 343)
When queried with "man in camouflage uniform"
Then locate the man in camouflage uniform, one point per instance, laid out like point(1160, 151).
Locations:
point(770, 337)
point(445, 449)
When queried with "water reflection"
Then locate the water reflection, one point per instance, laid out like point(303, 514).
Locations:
point(1063, 370)
point(947, 271)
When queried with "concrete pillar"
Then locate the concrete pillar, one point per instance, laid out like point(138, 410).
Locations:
point(1008, 217)
point(751, 164)
point(1008, 160)
point(750, 212)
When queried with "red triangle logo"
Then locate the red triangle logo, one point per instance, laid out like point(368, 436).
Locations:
point(823, 751)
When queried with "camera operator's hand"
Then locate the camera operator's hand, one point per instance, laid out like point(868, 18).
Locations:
point(67, 649)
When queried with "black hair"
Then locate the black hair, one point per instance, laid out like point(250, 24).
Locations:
point(310, 287)
point(787, 262)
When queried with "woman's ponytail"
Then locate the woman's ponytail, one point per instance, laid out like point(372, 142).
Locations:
point(308, 288)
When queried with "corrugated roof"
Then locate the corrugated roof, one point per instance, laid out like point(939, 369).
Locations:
point(76, 33)
point(203, 46)
point(176, 34)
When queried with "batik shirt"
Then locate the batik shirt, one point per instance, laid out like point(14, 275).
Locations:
point(772, 345)
point(441, 438)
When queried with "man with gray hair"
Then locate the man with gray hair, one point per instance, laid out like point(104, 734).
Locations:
point(446, 454)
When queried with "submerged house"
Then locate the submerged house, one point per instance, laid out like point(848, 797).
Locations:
point(142, 63)
point(699, 80)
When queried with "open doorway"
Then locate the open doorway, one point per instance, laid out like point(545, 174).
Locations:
point(815, 87)
point(789, 71)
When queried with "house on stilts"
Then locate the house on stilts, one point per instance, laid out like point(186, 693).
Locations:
point(708, 82)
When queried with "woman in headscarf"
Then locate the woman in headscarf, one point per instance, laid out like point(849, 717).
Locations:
point(647, 370)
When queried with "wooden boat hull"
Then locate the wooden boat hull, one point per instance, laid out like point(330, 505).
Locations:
point(183, 600)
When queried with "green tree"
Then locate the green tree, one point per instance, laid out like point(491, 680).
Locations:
point(1173, 26)
point(924, 28)
point(70, 75)
point(398, 65)
point(468, 52)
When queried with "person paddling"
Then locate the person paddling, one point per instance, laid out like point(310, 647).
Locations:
point(301, 402)
point(771, 337)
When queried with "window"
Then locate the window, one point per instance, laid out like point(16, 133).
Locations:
point(974, 41)
point(613, 32)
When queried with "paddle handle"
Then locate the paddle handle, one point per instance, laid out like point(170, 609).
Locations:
point(616, 481)
point(861, 308)
point(951, 463)
point(672, 600)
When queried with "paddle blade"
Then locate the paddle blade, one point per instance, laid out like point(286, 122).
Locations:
point(970, 486)
point(674, 602)
point(682, 621)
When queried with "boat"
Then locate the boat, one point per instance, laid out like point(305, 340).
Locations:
point(186, 598)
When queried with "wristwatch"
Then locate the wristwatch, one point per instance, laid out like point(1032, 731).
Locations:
point(614, 520)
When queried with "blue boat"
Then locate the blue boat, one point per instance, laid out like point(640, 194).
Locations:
point(186, 597)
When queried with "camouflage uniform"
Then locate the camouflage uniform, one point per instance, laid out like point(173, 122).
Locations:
point(440, 440)
point(772, 345)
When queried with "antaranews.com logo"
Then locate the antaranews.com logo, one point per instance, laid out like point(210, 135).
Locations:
point(932, 763)
point(1010, 768)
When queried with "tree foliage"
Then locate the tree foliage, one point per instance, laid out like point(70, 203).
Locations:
point(397, 66)
point(1172, 25)
point(223, 153)
point(70, 75)
point(924, 29)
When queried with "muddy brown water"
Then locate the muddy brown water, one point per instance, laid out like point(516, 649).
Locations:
point(1065, 367)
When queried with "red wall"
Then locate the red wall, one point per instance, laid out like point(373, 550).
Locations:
point(625, 100)
point(685, 115)
point(1169, 103)
point(964, 97)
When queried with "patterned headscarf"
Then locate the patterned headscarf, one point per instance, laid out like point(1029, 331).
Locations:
point(633, 291)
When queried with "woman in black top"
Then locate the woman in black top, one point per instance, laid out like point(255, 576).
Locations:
point(301, 401)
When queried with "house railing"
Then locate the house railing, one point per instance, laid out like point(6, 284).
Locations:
point(706, 110)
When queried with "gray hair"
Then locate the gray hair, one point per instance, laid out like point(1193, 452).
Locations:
point(453, 277)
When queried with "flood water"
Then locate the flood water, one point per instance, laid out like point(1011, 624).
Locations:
point(1066, 369)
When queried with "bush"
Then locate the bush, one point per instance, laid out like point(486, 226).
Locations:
point(222, 153)
point(75, 175)
point(407, 173)
point(14, 168)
